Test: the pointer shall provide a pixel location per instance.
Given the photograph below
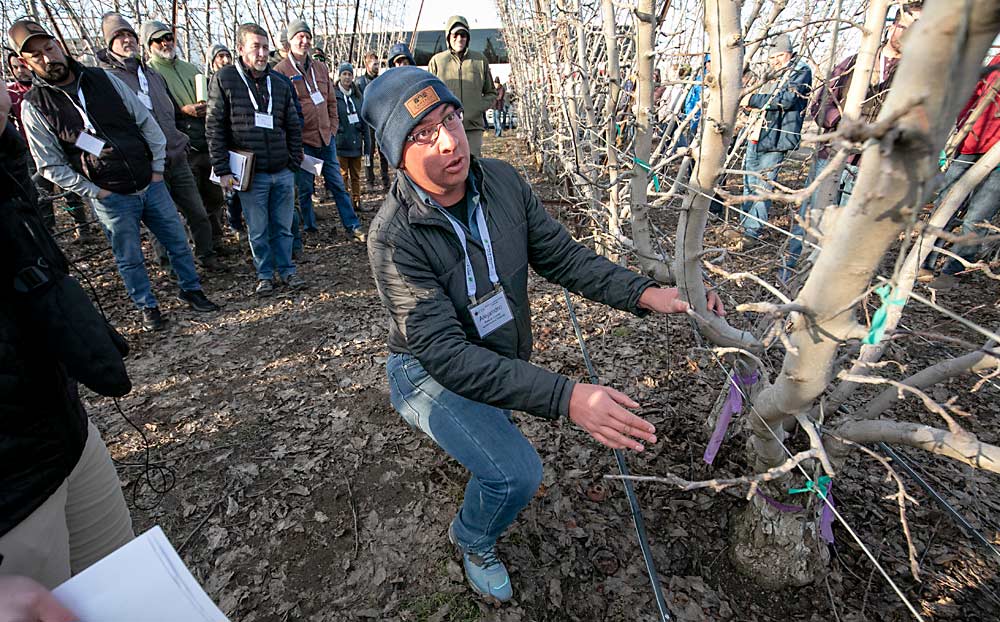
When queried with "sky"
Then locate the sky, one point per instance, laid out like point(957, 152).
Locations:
point(480, 13)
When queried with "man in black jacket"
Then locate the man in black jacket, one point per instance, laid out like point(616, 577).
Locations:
point(450, 250)
point(61, 504)
point(91, 135)
point(250, 109)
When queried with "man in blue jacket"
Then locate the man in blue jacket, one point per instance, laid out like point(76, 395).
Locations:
point(776, 130)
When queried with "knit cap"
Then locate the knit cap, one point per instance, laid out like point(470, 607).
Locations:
point(397, 102)
point(215, 50)
point(112, 24)
point(295, 27)
point(345, 67)
point(397, 50)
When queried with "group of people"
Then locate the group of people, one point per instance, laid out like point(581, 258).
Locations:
point(776, 111)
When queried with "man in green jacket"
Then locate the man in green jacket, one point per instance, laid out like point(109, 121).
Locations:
point(450, 250)
point(158, 38)
point(467, 74)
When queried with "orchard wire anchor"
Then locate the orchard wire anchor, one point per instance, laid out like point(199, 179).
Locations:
point(633, 501)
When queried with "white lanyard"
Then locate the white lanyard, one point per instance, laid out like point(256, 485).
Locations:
point(82, 109)
point(349, 102)
point(484, 234)
point(312, 70)
point(143, 82)
point(253, 97)
point(881, 69)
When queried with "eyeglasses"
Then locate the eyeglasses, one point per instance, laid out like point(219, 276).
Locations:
point(461, 34)
point(429, 135)
point(163, 39)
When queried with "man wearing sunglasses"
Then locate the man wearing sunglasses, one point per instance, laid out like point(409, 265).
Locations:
point(180, 77)
point(450, 249)
point(467, 74)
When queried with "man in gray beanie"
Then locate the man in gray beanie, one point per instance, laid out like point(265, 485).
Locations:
point(121, 58)
point(450, 250)
point(317, 95)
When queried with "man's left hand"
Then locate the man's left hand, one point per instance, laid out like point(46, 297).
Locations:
point(668, 300)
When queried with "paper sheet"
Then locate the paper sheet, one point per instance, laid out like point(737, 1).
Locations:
point(238, 166)
point(313, 165)
point(144, 581)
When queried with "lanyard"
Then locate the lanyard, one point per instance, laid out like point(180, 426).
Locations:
point(881, 70)
point(312, 70)
point(348, 101)
point(253, 97)
point(484, 234)
point(143, 82)
point(82, 109)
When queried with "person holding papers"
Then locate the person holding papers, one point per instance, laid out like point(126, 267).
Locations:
point(317, 94)
point(251, 110)
point(91, 135)
point(121, 58)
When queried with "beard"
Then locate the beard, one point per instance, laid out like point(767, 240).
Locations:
point(55, 72)
point(164, 54)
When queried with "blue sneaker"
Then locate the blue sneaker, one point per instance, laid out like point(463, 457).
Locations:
point(486, 573)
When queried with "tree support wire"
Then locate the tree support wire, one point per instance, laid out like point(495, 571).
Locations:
point(633, 501)
point(969, 529)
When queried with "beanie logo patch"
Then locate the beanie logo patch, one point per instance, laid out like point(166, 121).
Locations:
point(424, 99)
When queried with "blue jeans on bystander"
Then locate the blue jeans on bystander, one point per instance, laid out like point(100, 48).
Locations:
point(267, 208)
point(305, 181)
point(766, 165)
point(121, 214)
point(506, 470)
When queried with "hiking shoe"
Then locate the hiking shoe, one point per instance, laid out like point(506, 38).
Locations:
point(152, 320)
point(925, 275)
point(944, 282)
point(358, 235)
point(294, 281)
point(210, 264)
point(197, 300)
point(485, 572)
point(264, 288)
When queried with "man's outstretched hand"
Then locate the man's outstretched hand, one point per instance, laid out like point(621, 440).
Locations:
point(668, 300)
point(25, 600)
point(601, 412)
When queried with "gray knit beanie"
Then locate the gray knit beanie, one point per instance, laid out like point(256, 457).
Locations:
point(398, 101)
point(112, 24)
point(345, 67)
point(295, 27)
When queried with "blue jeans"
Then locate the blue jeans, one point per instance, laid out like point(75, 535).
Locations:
point(334, 184)
point(798, 232)
point(766, 164)
point(121, 214)
point(506, 470)
point(267, 208)
point(498, 121)
point(980, 207)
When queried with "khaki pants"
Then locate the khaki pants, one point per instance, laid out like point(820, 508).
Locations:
point(350, 170)
point(475, 142)
point(83, 521)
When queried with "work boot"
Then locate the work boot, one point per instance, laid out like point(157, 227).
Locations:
point(264, 288)
point(358, 235)
point(197, 300)
point(294, 281)
point(152, 320)
point(485, 572)
point(210, 264)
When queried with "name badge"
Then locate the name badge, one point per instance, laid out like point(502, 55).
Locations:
point(265, 121)
point(317, 98)
point(90, 143)
point(491, 313)
point(144, 98)
point(352, 118)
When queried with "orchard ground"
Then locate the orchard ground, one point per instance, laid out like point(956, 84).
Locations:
point(301, 495)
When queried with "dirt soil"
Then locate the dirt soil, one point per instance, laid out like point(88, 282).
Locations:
point(301, 495)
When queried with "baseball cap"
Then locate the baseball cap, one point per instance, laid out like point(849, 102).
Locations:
point(23, 31)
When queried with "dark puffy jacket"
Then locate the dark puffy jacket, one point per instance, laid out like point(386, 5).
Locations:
point(784, 110)
point(350, 136)
point(50, 337)
point(419, 270)
point(230, 121)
